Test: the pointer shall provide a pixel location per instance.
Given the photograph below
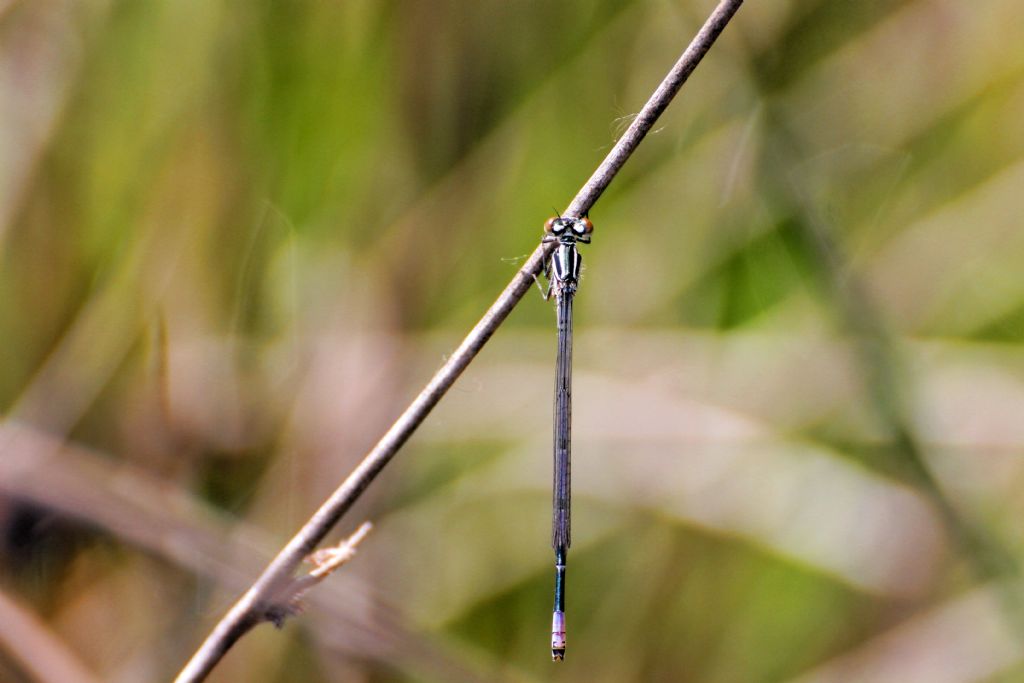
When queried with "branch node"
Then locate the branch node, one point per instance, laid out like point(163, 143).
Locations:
point(329, 559)
point(326, 560)
point(287, 601)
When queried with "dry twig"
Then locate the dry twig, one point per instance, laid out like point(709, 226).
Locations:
point(247, 612)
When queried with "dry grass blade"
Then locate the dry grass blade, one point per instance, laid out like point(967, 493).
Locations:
point(36, 649)
point(72, 480)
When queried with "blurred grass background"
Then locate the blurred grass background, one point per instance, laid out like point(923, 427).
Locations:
point(237, 237)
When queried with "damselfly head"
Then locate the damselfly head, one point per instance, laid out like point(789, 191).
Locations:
point(579, 228)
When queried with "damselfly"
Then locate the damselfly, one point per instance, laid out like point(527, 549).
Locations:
point(563, 271)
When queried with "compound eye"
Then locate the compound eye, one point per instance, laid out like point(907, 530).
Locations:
point(588, 227)
point(549, 225)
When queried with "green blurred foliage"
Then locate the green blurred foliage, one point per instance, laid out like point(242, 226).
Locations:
point(236, 237)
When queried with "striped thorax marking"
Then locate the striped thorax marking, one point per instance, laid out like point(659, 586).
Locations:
point(566, 263)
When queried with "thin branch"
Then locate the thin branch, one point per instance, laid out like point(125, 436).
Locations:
point(658, 102)
point(244, 614)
